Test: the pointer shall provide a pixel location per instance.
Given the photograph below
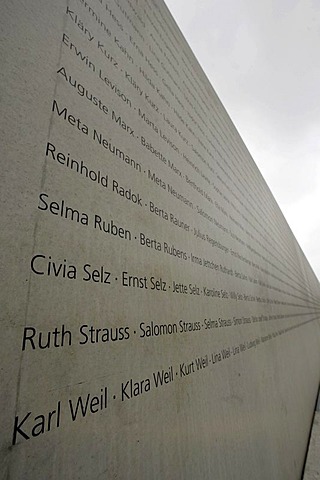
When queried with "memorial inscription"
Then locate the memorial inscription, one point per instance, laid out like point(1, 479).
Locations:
point(159, 318)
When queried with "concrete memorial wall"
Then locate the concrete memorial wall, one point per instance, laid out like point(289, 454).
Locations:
point(159, 319)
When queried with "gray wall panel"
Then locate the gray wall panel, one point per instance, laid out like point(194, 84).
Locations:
point(159, 319)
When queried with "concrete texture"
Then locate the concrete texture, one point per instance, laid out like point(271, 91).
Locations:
point(159, 319)
point(312, 467)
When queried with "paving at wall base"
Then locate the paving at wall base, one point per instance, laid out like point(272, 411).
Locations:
point(159, 319)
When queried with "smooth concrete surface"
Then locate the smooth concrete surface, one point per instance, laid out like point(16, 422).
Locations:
point(158, 318)
point(312, 468)
point(312, 464)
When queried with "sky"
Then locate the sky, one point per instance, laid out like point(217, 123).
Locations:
point(263, 60)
